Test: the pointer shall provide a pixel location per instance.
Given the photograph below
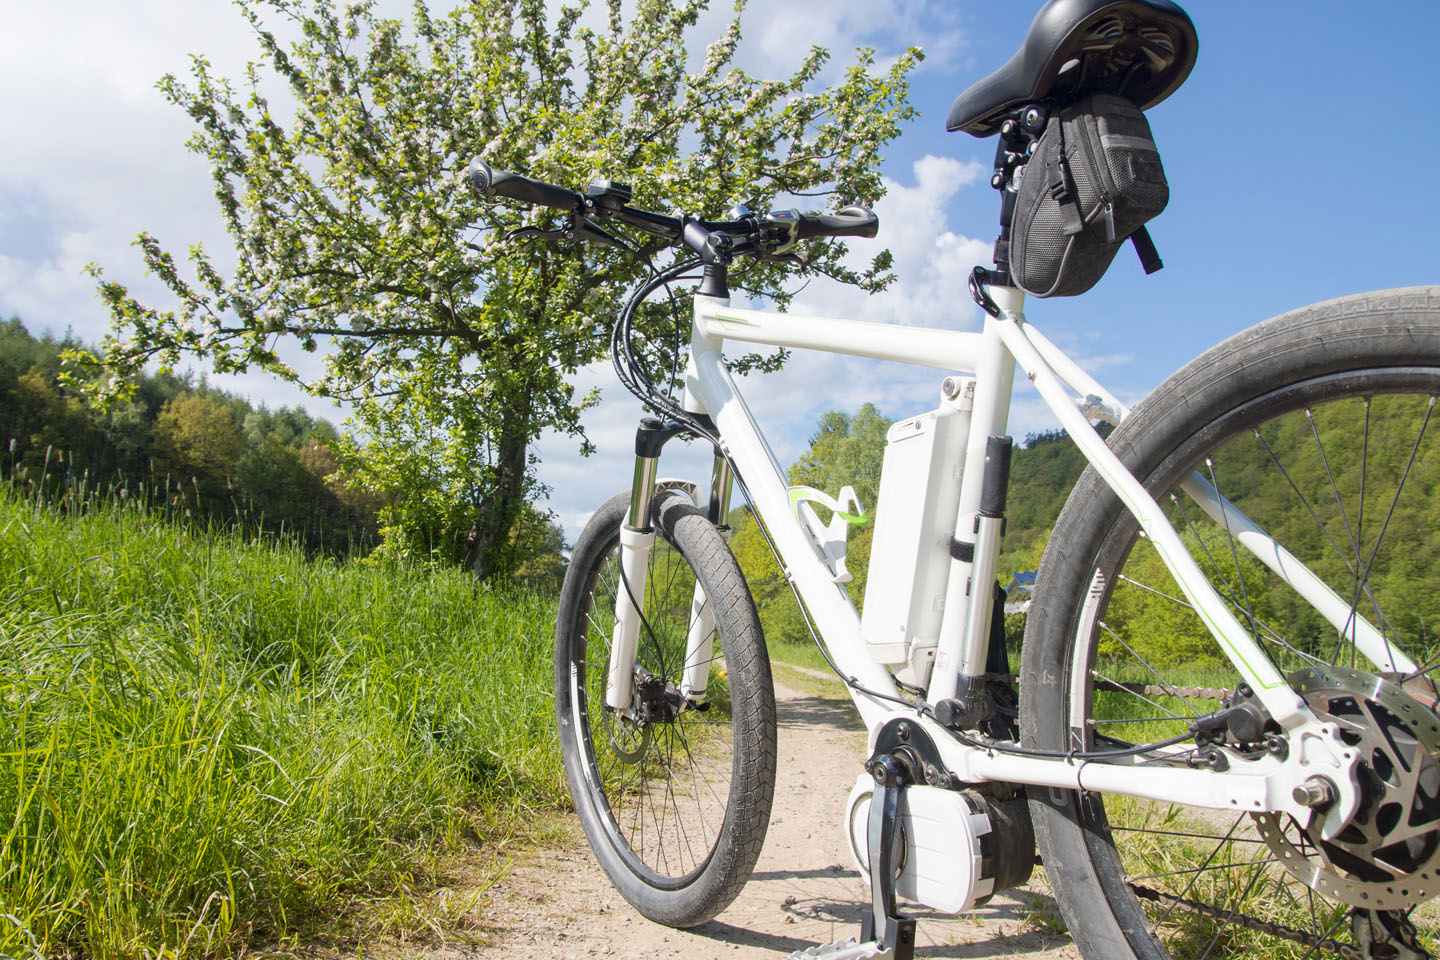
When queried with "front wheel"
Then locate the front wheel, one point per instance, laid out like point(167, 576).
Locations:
point(674, 794)
point(1320, 426)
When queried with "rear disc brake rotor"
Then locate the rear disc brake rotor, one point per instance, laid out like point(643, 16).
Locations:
point(1388, 856)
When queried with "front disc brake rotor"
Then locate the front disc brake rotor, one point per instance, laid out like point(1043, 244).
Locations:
point(1388, 855)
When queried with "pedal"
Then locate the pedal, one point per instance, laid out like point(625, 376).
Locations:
point(850, 949)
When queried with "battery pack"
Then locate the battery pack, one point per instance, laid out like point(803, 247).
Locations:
point(914, 522)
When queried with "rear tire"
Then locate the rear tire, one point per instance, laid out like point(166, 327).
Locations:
point(1316, 371)
point(675, 811)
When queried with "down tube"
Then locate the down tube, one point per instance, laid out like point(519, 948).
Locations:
point(835, 617)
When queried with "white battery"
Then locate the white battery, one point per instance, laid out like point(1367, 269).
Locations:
point(914, 523)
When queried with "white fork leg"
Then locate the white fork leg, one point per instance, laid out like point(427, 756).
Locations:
point(699, 647)
point(629, 601)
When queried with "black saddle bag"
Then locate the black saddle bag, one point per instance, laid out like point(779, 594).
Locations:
point(1093, 181)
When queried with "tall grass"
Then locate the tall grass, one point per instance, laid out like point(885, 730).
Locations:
point(206, 741)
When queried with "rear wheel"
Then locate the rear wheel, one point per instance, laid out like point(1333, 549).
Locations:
point(674, 794)
point(1320, 426)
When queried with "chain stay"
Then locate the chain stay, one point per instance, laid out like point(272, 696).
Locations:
point(1149, 689)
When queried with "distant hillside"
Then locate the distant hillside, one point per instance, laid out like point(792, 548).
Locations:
point(181, 445)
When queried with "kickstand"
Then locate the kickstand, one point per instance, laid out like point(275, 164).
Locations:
point(884, 934)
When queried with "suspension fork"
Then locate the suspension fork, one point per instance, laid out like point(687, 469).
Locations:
point(637, 537)
point(700, 639)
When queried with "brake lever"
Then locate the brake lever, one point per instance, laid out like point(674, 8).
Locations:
point(521, 233)
point(591, 230)
point(576, 228)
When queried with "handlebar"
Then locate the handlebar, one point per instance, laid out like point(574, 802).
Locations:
point(498, 183)
point(781, 228)
point(848, 222)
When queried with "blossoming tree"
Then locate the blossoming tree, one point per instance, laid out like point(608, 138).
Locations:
point(338, 168)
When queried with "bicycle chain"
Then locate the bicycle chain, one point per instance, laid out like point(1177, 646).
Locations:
point(1308, 940)
point(1151, 689)
point(1190, 693)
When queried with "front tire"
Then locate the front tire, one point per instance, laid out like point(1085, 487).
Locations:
point(675, 810)
point(1307, 423)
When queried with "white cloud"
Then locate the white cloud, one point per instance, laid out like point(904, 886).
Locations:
point(786, 31)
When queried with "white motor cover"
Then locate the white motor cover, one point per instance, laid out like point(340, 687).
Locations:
point(940, 860)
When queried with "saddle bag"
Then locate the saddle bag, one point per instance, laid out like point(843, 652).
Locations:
point(1092, 182)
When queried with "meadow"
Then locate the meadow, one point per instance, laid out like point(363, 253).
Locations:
point(208, 740)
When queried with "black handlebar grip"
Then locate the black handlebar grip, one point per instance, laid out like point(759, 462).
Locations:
point(479, 175)
point(497, 183)
point(849, 222)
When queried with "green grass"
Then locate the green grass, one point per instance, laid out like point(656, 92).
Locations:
point(208, 745)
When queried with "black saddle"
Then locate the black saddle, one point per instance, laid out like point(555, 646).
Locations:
point(1141, 50)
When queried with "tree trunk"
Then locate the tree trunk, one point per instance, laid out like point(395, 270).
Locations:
point(488, 548)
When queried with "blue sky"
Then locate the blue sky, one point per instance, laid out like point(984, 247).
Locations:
point(1301, 153)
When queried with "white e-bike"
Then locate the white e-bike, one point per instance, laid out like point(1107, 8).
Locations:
point(1223, 734)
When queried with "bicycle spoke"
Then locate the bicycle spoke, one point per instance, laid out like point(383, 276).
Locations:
point(1360, 537)
point(1394, 501)
point(1330, 476)
point(701, 819)
point(1159, 593)
point(673, 807)
point(1119, 687)
point(1205, 869)
point(1170, 690)
point(1235, 557)
point(1305, 501)
point(1213, 854)
point(1420, 672)
point(1192, 836)
point(686, 744)
point(1190, 525)
point(1329, 932)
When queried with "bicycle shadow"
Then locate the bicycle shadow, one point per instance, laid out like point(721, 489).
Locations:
point(1010, 918)
point(808, 708)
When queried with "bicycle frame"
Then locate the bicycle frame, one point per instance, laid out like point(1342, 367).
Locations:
point(991, 356)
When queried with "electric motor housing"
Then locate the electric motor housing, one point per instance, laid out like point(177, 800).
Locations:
point(958, 848)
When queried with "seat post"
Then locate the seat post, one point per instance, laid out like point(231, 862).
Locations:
point(1018, 136)
point(1007, 213)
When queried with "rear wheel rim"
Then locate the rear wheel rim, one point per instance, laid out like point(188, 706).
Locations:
point(1200, 856)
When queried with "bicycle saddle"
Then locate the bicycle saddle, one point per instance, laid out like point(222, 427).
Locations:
point(1138, 49)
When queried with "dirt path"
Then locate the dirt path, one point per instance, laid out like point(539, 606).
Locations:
point(557, 904)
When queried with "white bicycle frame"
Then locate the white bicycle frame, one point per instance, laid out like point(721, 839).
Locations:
point(991, 355)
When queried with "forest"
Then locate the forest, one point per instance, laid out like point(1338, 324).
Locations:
point(181, 446)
